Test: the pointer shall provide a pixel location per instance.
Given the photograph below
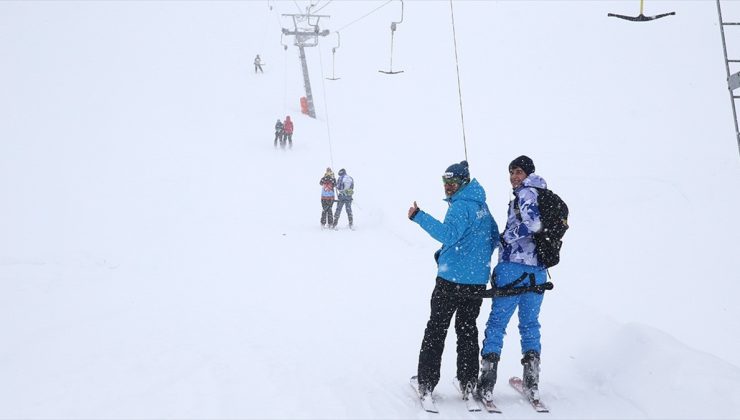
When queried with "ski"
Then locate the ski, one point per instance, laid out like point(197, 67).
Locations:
point(468, 396)
point(427, 402)
point(517, 384)
point(488, 405)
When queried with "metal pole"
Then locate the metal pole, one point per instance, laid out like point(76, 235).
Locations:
point(392, 32)
point(727, 68)
point(307, 82)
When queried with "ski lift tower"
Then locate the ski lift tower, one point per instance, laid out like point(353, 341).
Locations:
point(306, 31)
point(733, 79)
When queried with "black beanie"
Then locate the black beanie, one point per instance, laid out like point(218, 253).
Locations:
point(459, 171)
point(524, 163)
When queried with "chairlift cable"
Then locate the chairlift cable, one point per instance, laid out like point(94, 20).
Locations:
point(319, 9)
point(459, 89)
point(326, 108)
point(365, 15)
point(285, 81)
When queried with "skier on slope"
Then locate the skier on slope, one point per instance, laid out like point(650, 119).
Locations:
point(345, 190)
point(278, 132)
point(288, 131)
point(517, 263)
point(327, 182)
point(258, 64)
point(468, 235)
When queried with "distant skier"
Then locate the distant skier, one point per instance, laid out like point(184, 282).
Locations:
point(288, 131)
point(345, 189)
point(327, 182)
point(279, 133)
point(258, 64)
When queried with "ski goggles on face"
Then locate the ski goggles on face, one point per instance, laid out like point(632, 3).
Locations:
point(450, 181)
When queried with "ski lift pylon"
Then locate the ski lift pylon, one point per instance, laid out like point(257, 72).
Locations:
point(333, 51)
point(641, 17)
point(393, 30)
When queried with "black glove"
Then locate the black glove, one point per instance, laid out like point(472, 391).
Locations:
point(414, 214)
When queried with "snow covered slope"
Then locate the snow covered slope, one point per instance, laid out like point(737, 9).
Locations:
point(160, 259)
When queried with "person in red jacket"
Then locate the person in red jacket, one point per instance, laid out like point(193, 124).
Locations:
point(288, 131)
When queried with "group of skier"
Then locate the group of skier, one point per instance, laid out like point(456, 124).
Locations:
point(283, 129)
point(284, 132)
point(344, 187)
point(469, 235)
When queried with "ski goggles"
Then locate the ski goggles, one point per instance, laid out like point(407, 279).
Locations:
point(450, 181)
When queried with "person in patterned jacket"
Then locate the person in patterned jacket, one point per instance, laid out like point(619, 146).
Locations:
point(327, 182)
point(517, 267)
point(345, 189)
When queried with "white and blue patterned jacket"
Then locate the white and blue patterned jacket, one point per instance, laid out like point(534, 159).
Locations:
point(517, 240)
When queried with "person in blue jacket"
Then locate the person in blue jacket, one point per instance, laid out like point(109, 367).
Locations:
point(469, 235)
point(517, 267)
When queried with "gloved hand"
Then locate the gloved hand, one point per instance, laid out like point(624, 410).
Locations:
point(413, 210)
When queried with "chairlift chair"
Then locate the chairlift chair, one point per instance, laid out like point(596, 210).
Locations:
point(641, 17)
point(393, 30)
point(285, 46)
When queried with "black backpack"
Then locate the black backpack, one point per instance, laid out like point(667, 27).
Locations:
point(554, 218)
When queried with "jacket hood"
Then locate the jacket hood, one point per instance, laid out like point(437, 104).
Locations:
point(534, 180)
point(473, 191)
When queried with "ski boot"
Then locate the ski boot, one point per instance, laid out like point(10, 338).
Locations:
point(531, 375)
point(488, 372)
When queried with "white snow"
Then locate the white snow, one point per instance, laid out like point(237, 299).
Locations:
point(159, 259)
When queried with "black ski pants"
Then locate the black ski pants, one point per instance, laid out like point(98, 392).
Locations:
point(450, 299)
point(326, 217)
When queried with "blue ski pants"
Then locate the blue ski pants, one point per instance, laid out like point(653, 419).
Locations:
point(502, 308)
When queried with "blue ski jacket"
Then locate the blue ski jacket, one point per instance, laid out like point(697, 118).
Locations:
point(469, 235)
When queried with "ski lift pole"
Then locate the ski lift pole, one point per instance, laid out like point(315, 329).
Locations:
point(393, 31)
point(459, 88)
point(333, 52)
point(285, 73)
